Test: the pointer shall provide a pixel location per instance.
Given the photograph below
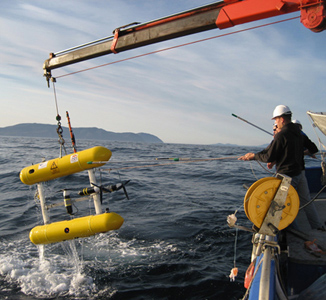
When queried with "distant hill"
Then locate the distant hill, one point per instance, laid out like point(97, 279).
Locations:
point(93, 133)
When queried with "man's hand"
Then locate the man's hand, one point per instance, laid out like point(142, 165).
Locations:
point(270, 165)
point(248, 156)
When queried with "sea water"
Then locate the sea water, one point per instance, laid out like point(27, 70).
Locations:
point(174, 244)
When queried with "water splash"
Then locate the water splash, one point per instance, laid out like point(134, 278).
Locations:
point(45, 273)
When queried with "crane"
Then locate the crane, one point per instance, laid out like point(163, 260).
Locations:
point(221, 14)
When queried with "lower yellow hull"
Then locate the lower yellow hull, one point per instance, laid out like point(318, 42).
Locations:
point(76, 228)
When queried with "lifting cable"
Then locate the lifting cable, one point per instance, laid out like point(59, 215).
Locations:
point(178, 46)
point(58, 118)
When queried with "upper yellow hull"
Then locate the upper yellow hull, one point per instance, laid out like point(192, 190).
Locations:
point(65, 165)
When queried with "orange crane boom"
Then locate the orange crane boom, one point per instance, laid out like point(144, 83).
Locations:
point(222, 14)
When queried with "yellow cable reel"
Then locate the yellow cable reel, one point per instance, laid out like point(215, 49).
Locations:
point(259, 197)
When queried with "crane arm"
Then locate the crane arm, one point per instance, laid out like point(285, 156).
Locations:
point(222, 14)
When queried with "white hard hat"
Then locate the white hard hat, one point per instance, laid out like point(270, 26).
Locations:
point(281, 110)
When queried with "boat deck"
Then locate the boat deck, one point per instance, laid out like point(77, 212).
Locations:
point(297, 250)
point(306, 266)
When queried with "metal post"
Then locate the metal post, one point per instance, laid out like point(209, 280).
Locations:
point(96, 196)
point(257, 249)
point(46, 218)
point(265, 281)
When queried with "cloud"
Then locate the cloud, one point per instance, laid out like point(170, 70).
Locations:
point(184, 95)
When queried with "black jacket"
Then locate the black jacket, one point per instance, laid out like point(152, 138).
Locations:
point(287, 150)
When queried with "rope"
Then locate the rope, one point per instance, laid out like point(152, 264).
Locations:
point(268, 171)
point(314, 198)
point(171, 163)
point(323, 168)
point(235, 247)
point(255, 273)
point(178, 46)
point(252, 170)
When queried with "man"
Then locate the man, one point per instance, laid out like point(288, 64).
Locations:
point(286, 151)
point(306, 151)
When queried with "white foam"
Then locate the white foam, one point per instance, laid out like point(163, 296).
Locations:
point(46, 275)
point(58, 269)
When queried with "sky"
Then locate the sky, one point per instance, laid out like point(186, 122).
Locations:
point(185, 95)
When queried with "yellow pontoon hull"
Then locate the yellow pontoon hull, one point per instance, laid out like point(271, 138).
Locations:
point(76, 228)
point(65, 165)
